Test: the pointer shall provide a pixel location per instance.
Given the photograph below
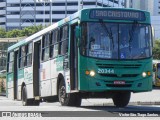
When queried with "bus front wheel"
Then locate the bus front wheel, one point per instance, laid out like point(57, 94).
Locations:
point(68, 99)
point(121, 99)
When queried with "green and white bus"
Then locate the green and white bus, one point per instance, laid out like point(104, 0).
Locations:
point(94, 53)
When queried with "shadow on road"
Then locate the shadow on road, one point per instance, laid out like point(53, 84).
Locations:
point(130, 108)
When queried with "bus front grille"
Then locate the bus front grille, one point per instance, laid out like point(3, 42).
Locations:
point(101, 65)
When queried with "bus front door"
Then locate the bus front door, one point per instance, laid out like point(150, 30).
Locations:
point(73, 59)
point(36, 68)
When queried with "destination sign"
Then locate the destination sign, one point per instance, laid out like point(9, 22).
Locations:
point(117, 15)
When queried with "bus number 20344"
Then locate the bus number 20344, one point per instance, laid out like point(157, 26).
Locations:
point(105, 71)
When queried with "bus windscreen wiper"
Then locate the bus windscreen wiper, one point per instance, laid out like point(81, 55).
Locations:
point(109, 32)
point(131, 33)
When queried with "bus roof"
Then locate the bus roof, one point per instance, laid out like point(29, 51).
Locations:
point(59, 23)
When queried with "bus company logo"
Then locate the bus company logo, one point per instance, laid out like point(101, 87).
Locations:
point(6, 114)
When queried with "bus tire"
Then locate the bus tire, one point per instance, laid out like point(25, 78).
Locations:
point(67, 99)
point(26, 101)
point(121, 99)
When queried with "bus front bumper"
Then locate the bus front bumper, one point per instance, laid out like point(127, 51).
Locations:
point(141, 85)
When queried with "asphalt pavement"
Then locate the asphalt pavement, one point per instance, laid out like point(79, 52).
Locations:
point(146, 104)
point(144, 98)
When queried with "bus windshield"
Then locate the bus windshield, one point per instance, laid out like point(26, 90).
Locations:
point(116, 40)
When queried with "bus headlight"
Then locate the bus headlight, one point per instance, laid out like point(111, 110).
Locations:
point(144, 74)
point(92, 73)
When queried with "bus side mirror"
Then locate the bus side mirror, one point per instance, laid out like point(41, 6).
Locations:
point(78, 34)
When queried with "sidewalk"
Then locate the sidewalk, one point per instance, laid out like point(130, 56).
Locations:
point(146, 98)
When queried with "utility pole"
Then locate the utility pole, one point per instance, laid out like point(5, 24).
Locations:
point(80, 4)
point(51, 12)
point(65, 8)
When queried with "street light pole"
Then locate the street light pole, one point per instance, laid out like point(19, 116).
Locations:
point(102, 3)
point(65, 8)
point(44, 13)
point(51, 12)
point(43, 2)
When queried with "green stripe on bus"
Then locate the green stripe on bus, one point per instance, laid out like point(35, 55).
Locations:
point(21, 74)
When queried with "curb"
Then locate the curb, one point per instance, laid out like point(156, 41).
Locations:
point(148, 103)
point(2, 94)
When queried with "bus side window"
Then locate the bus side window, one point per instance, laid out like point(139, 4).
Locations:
point(29, 54)
point(54, 43)
point(22, 55)
point(45, 47)
point(10, 62)
point(63, 40)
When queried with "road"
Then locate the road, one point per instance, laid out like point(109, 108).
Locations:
point(141, 105)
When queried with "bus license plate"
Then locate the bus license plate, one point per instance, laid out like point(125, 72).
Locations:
point(119, 82)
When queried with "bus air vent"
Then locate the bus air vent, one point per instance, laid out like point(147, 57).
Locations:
point(100, 65)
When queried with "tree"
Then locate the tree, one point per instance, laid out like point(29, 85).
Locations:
point(27, 31)
point(31, 30)
point(2, 33)
point(156, 49)
point(2, 87)
point(14, 33)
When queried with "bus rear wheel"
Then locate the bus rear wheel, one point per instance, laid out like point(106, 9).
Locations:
point(121, 99)
point(68, 99)
point(26, 101)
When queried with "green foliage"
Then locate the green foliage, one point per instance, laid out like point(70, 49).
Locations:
point(156, 50)
point(31, 30)
point(2, 87)
point(2, 33)
point(20, 33)
point(13, 33)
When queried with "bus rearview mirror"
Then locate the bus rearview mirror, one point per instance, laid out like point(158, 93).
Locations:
point(77, 32)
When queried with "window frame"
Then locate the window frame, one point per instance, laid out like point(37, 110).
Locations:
point(54, 43)
point(64, 37)
point(29, 54)
point(22, 57)
point(45, 47)
point(9, 62)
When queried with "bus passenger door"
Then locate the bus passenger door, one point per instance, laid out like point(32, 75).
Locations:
point(36, 68)
point(15, 77)
point(73, 59)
